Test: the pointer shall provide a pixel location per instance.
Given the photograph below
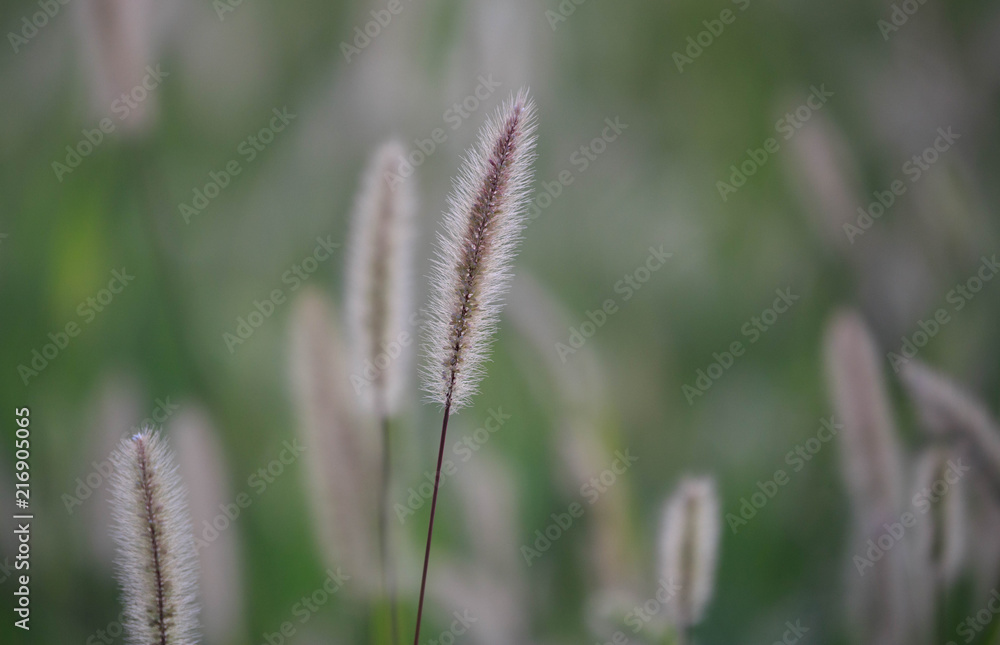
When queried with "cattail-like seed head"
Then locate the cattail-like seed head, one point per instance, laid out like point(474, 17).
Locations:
point(689, 547)
point(340, 453)
point(941, 534)
point(870, 454)
point(119, 40)
point(482, 227)
point(157, 564)
point(378, 293)
point(826, 175)
point(948, 411)
point(872, 466)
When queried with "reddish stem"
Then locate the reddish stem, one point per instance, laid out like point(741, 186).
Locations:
point(430, 526)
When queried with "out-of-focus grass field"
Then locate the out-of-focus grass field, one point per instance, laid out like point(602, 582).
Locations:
point(654, 184)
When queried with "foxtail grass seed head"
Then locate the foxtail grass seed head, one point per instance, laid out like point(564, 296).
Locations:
point(870, 454)
point(689, 547)
point(826, 175)
point(948, 411)
point(119, 38)
point(941, 536)
point(378, 293)
point(871, 460)
point(482, 228)
point(157, 564)
point(339, 454)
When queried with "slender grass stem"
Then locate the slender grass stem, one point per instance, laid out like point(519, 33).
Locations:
point(388, 577)
point(941, 615)
point(430, 526)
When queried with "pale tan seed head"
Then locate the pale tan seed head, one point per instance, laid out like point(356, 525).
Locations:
point(119, 41)
point(689, 548)
point(379, 290)
point(482, 228)
point(949, 412)
point(340, 453)
point(157, 563)
point(870, 452)
point(940, 536)
point(871, 461)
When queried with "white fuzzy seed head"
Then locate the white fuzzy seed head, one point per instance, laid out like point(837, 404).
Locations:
point(482, 228)
point(378, 292)
point(870, 451)
point(689, 547)
point(120, 41)
point(157, 564)
point(948, 411)
point(339, 453)
point(940, 537)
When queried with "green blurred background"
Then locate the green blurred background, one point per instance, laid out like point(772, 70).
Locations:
point(655, 184)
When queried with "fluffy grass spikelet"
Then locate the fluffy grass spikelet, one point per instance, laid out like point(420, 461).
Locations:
point(339, 457)
point(481, 231)
point(870, 452)
point(949, 411)
point(157, 564)
point(689, 546)
point(378, 289)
